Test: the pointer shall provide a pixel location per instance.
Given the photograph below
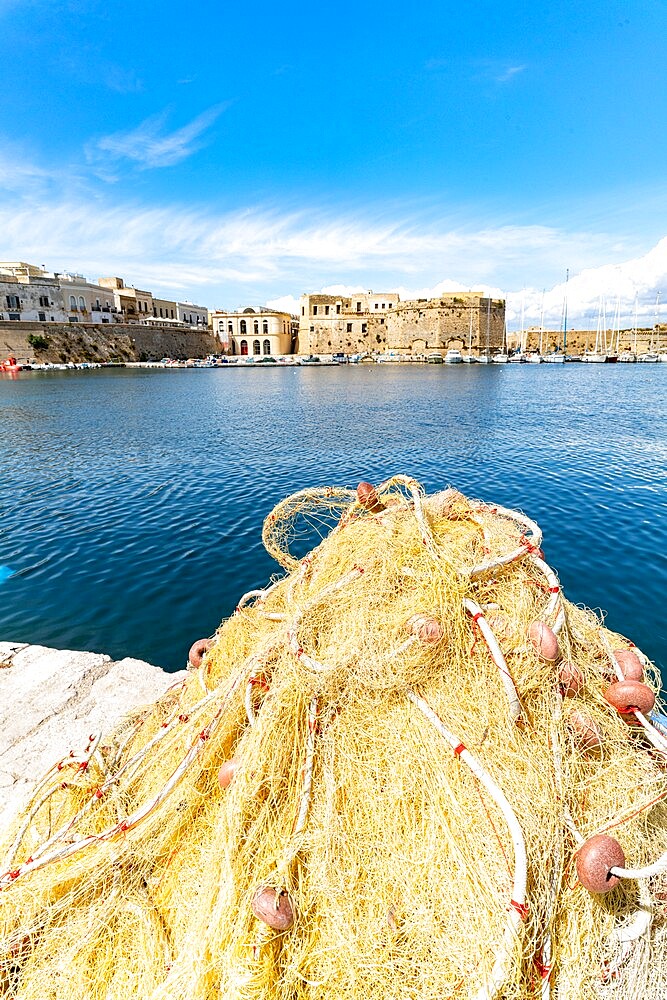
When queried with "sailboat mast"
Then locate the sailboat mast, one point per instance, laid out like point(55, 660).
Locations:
point(567, 278)
point(542, 323)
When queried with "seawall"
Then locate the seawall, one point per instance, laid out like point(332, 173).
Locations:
point(103, 342)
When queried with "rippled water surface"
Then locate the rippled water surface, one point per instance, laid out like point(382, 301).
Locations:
point(131, 501)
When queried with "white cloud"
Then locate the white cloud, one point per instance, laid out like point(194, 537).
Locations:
point(261, 253)
point(149, 144)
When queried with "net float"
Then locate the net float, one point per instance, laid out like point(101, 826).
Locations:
point(427, 628)
point(631, 666)
point(630, 696)
point(570, 679)
point(197, 651)
point(544, 641)
point(228, 771)
point(273, 907)
point(369, 499)
point(595, 859)
point(584, 729)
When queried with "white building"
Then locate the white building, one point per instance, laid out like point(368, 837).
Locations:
point(30, 294)
point(255, 331)
point(192, 315)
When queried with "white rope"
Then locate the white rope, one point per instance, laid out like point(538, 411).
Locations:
point(497, 655)
point(652, 734)
point(526, 523)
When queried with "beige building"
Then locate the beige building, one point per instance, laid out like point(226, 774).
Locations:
point(192, 315)
point(255, 331)
point(86, 302)
point(372, 322)
point(134, 303)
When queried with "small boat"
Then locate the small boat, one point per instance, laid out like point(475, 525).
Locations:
point(453, 357)
point(469, 359)
point(10, 365)
point(555, 358)
point(500, 359)
point(484, 359)
point(434, 358)
point(648, 358)
point(533, 358)
point(593, 358)
point(627, 357)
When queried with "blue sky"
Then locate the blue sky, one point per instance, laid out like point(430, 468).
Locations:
point(246, 153)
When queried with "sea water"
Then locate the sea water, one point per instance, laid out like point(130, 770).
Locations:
point(132, 500)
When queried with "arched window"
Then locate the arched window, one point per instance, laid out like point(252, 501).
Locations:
point(230, 328)
point(244, 347)
point(243, 327)
point(256, 328)
point(72, 301)
point(256, 347)
point(265, 326)
point(82, 303)
point(266, 347)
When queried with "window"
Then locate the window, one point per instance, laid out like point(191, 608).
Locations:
point(266, 347)
point(382, 321)
point(303, 310)
point(72, 302)
point(160, 311)
point(256, 328)
point(82, 303)
point(265, 326)
point(41, 317)
point(326, 310)
point(172, 313)
point(338, 308)
point(383, 306)
point(376, 305)
point(97, 304)
point(44, 300)
point(314, 310)
point(243, 329)
point(230, 328)
point(348, 328)
point(13, 302)
point(244, 345)
point(358, 307)
point(363, 328)
point(15, 315)
point(256, 349)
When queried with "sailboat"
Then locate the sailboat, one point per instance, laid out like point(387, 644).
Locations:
point(534, 357)
point(503, 357)
point(631, 356)
point(598, 356)
point(557, 357)
point(651, 356)
point(485, 358)
point(470, 358)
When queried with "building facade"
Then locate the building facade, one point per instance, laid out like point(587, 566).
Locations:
point(372, 322)
point(192, 315)
point(30, 297)
point(255, 331)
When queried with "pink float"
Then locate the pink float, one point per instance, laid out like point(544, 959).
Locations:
point(595, 859)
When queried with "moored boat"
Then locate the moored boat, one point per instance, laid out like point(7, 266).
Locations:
point(453, 357)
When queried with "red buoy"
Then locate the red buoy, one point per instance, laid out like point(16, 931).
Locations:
point(427, 628)
point(570, 679)
point(631, 666)
point(595, 859)
point(368, 498)
point(197, 651)
point(630, 696)
point(584, 729)
point(544, 640)
point(274, 908)
point(228, 771)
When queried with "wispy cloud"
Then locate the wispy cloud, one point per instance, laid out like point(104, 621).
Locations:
point(509, 73)
point(151, 145)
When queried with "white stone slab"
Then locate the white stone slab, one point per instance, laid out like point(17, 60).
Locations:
point(51, 700)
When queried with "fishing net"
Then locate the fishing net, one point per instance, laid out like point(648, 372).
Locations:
point(407, 768)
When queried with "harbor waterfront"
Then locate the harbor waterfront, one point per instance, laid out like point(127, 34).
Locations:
point(132, 500)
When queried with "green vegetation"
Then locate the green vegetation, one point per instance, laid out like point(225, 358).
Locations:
point(38, 341)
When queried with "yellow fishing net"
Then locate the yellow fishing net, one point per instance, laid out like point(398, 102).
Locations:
point(407, 769)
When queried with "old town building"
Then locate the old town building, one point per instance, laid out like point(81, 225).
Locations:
point(255, 331)
point(372, 322)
